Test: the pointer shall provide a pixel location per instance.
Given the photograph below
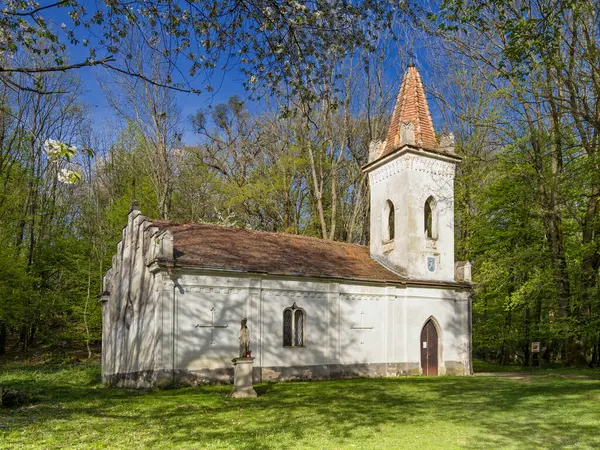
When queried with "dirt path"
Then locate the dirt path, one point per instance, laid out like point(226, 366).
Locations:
point(525, 375)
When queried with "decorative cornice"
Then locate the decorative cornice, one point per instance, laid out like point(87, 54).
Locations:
point(412, 149)
point(215, 289)
point(412, 162)
point(298, 294)
point(369, 297)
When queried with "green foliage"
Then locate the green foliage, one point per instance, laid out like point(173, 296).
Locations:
point(531, 226)
point(532, 31)
point(18, 289)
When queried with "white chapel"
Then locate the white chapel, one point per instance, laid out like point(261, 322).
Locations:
point(176, 293)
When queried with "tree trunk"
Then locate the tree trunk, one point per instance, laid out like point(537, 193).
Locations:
point(318, 192)
point(31, 336)
point(334, 200)
point(23, 338)
point(596, 356)
point(526, 347)
point(2, 338)
point(591, 260)
point(355, 210)
point(85, 310)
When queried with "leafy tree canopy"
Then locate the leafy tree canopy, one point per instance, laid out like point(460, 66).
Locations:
point(284, 44)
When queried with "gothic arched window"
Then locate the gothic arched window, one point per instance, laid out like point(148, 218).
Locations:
point(389, 222)
point(429, 212)
point(294, 320)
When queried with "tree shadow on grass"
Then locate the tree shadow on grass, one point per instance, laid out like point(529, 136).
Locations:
point(530, 413)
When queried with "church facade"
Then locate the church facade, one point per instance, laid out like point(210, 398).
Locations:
point(176, 293)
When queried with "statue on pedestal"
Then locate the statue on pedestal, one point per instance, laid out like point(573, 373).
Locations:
point(244, 339)
point(242, 376)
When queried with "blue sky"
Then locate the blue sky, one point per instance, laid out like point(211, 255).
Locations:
point(232, 84)
point(227, 83)
point(188, 103)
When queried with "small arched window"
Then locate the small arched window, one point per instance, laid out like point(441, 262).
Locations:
point(294, 320)
point(429, 218)
point(128, 313)
point(391, 222)
point(388, 221)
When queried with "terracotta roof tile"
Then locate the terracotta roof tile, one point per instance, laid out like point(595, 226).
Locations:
point(274, 253)
point(411, 107)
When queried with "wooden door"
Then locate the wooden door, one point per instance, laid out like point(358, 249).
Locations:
point(429, 349)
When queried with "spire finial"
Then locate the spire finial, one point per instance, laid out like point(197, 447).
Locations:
point(411, 58)
point(411, 122)
point(135, 206)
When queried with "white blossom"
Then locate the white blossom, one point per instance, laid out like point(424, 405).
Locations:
point(67, 176)
point(298, 7)
point(53, 149)
point(57, 150)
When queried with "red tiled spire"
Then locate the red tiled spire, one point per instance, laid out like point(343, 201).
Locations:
point(411, 106)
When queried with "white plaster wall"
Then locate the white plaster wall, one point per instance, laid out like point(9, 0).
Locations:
point(314, 351)
point(390, 185)
point(408, 180)
point(165, 323)
point(141, 331)
point(362, 345)
point(129, 335)
point(423, 184)
point(450, 312)
point(195, 298)
point(395, 313)
point(107, 345)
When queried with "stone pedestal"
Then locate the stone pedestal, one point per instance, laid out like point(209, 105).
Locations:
point(242, 378)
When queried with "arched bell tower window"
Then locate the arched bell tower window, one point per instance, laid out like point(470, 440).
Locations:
point(388, 221)
point(294, 320)
point(430, 219)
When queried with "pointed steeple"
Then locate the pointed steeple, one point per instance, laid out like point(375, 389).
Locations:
point(411, 120)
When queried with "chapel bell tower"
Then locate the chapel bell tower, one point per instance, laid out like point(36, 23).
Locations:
point(411, 180)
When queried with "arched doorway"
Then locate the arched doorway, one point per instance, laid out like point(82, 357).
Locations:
point(429, 349)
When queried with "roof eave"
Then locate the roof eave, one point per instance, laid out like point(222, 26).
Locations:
point(391, 281)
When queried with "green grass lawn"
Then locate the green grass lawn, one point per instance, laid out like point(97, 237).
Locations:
point(72, 409)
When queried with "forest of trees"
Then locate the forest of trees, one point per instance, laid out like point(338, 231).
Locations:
point(517, 82)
